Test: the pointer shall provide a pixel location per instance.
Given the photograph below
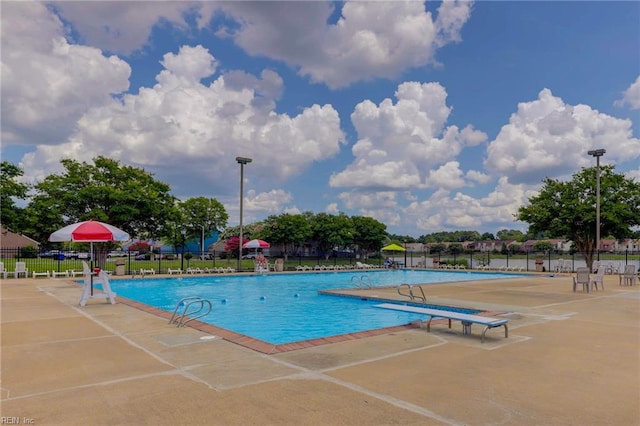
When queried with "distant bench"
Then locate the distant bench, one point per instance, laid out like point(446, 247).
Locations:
point(466, 319)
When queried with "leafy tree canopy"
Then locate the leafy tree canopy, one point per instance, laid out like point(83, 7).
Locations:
point(568, 209)
point(124, 196)
point(369, 233)
point(543, 245)
point(288, 230)
point(201, 215)
point(11, 189)
point(510, 234)
point(457, 236)
point(332, 231)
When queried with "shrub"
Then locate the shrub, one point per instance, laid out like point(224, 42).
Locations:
point(29, 252)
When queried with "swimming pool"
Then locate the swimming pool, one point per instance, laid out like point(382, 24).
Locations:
point(285, 308)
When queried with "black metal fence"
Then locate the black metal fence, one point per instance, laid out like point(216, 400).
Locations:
point(527, 262)
point(60, 261)
point(132, 262)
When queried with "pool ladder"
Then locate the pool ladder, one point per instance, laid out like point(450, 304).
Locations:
point(192, 305)
point(361, 281)
point(409, 292)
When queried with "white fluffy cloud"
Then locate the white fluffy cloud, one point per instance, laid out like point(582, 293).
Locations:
point(443, 210)
point(122, 27)
point(369, 40)
point(47, 83)
point(399, 145)
point(180, 121)
point(547, 137)
point(631, 96)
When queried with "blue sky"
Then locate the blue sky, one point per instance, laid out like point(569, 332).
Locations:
point(426, 116)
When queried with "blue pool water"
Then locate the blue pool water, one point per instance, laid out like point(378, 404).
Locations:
point(285, 308)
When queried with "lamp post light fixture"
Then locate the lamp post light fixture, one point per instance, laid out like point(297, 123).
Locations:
point(597, 153)
point(242, 161)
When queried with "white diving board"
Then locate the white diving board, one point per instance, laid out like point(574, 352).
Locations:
point(466, 319)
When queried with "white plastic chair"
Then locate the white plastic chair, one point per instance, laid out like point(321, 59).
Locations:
point(582, 278)
point(21, 269)
point(598, 280)
point(629, 277)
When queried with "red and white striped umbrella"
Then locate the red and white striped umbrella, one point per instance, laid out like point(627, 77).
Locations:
point(89, 231)
point(256, 244)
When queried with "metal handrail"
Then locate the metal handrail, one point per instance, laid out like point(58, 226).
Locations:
point(360, 281)
point(199, 305)
point(422, 296)
point(410, 293)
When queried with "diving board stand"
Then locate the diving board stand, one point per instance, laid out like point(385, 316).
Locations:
point(466, 319)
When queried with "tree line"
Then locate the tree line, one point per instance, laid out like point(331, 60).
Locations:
point(133, 200)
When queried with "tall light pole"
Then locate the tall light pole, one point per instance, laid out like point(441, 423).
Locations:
point(242, 161)
point(597, 153)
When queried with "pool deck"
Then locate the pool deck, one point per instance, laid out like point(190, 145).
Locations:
point(570, 359)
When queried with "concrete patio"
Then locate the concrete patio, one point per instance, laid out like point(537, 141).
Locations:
point(570, 359)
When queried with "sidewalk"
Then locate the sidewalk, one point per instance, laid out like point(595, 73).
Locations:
point(571, 358)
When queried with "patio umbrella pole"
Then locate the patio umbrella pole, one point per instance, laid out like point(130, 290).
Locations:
point(91, 270)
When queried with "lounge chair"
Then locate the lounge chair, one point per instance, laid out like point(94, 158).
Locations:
point(194, 271)
point(582, 278)
point(56, 274)
point(629, 277)
point(598, 280)
point(170, 271)
point(45, 274)
point(20, 269)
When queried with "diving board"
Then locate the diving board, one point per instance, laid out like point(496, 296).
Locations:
point(466, 319)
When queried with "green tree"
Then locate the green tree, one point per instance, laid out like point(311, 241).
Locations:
point(568, 209)
point(330, 231)
point(369, 234)
point(487, 236)
point(455, 248)
point(11, 189)
point(288, 230)
point(437, 248)
point(201, 216)
point(510, 234)
point(124, 196)
point(543, 246)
